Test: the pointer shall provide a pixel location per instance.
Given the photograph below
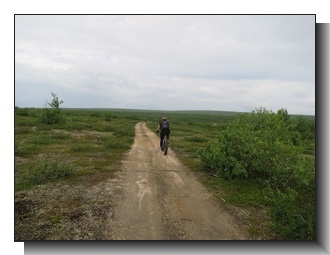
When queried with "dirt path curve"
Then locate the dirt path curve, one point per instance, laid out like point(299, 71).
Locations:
point(161, 200)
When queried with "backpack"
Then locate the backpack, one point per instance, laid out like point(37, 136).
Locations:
point(164, 125)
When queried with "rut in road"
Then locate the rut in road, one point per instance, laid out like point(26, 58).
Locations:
point(161, 200)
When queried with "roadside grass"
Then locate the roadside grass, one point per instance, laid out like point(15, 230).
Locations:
point(87, 143)
point(45, 171)
point(58, 165)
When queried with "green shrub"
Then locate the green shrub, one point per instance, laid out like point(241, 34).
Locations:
point(107, 117)
point(21, 151)
point(305, 128)
point(195, 139)
point(46, 171)
point(22, 130)
point(118, 143)
point(256, 145)
point(95, 114)
point(53, 114)
point(26, 150)
point(83, 148)
point(293, 219)
point(21, 111)
point(265, 146)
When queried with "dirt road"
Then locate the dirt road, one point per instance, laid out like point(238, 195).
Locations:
point(161, 200)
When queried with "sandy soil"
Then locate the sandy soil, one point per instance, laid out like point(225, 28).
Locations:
point(160, 199)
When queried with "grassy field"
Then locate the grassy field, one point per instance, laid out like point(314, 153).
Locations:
point(87, 147)
point(87, 143)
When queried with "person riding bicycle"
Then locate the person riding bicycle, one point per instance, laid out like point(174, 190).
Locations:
point(165, 129)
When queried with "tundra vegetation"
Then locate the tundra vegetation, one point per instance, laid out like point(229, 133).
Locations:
point(262, 162)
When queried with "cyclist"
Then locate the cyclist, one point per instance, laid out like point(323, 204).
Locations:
point(165, 129)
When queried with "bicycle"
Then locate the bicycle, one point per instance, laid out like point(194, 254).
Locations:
point(165, 145)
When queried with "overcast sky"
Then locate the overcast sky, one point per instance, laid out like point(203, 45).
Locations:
point(190, 62)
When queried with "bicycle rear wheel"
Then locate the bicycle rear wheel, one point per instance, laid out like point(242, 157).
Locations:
point(165, 144)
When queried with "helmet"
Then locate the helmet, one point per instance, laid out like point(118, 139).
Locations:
point(164, 118)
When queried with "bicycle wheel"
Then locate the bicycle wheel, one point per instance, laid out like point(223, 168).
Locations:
point(162, 146)
point(165, 145)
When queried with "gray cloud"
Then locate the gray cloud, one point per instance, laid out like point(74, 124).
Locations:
point(189, 62)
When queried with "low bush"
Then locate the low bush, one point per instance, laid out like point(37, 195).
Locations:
point(258, 145)
point(46, 171)
point(53, 114)
point(293, 216)
point(21, 111)
point(267, 147)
